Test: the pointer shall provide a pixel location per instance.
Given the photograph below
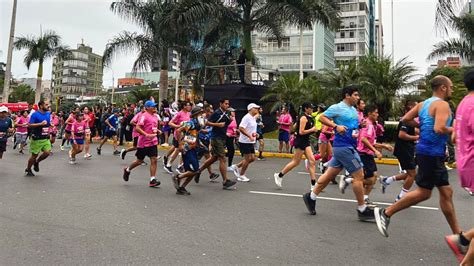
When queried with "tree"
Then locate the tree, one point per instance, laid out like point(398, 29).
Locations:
point(457, 77)
point(344, 75)
point(286, 90)
point(461, 46)
point(141, 93)
point(22, 93)
point(446, 10)
point(40, 49)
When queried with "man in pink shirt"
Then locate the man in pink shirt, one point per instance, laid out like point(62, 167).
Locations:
point(147, 127)
point(182, 116)
point(285, 122)
point(367, 149)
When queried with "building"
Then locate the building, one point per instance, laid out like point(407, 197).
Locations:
point(450, 62)
point(150, 78)
point(80, 75)
point(318, 49)
point(357, 35)
point(127, 82)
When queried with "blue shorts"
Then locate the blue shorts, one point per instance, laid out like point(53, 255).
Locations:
point(283, 136)
point(346, 157)
point(190, 161)
point(79, 141)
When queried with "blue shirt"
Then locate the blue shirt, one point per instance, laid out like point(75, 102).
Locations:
point(218, 117)
point(430, 142)
point(41, 132)
point(5, 124)
point(113, 120)
point(344, 115)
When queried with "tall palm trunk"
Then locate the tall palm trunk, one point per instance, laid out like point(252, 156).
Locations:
point(39, 78)
point(163, 95)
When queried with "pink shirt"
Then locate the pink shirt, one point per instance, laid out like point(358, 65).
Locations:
point(71, 121)
point(135, 119)
point(22, 129)
point(323, 137)
point(54, 124)
point(360, 116)
point(285, 118)
point(79, 129)
point(464, 127)
point(370, 133)
point(232, 129)
point(179, 118)
point(149, 124)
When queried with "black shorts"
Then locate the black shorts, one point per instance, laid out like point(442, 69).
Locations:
point(135, 141)
point(431, 172)
point(175, 143)
point(3, 146)
point(151, 151)
point(370, 167)
point(246, 148)
point(406, 161)
point(68, 131)
point(301, 143)
point(109, 134)
point(260, 136)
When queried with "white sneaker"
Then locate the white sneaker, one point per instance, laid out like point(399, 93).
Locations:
point(61, 147)
point(87, 156)
point(243, 178)
point(71, 161)
point(342, 184)
point(230, 169)
point(278, 180)
point(236, 170)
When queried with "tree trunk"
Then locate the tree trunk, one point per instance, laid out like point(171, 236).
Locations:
point(163, 92)
point(6, 85)
point(39, 78)
point(247, 44)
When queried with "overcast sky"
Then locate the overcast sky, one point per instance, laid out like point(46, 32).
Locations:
point(92, 21)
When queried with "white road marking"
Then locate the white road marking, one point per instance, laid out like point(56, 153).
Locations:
point(336, 199)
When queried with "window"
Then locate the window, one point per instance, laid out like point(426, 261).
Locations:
point(345, 47)
point(351, 34)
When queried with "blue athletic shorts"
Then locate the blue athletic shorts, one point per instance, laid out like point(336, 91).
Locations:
point(346, 157)
point(79, 141)
point(284, 136)
point(190, 160)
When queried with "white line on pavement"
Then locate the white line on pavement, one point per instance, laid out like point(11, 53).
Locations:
point(335, 199)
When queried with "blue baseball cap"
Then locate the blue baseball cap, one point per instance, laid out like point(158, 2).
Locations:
point(150, 103)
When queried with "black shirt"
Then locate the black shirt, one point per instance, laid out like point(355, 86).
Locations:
point(218, 117)
point(309, 125)
point(404, 147)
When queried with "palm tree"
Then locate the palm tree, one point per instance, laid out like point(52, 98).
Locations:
point(40, 49)
point(446, 10)
point(380, 81)
point(461, 46)
point(143, 93)
point(344, 75)
point(286, 90)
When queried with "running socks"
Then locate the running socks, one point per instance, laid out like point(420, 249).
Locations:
point(313, 195)
point(390, 180)
point(349, 180)
point(366, 197)
point(403, 193)
point(362, 208)
point(152, 177)
point(313, 182)
point(64, 141)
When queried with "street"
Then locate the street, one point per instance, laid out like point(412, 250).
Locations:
point(86, 214)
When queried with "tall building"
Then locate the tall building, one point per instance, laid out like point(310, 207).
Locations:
point(357, 34)
point(78, 76)
point(318, 49)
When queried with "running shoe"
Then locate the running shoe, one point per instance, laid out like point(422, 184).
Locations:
point(99, 151)
point(168, 169)
point(310, 203)
point(71, 161)
point(123, 152)
point(154, 183)
point(261, 159)
point(126, 175)
point(230, 169)
point(144, 164)
point(28, 172)
point(229, 184)
point(116, 152)
point(87, 156)
point(243, 178)
point(383, 182)
point(61, 147)
point(14, 146)
point(165, 160)
point(382, 220)
point(180, 170)
point(174, 179)
point(236, 170)
point(36, 167)
point(213, 177)
point(182, 191)
point(21, 152)
point(369, 203)
point(321, 167)
point(469, 191)
point(278, 179)
point(197, 177)
point(343, 184)
point(367, 215)
point(454, 243)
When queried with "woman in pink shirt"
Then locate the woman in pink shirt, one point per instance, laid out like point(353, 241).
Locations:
point(67, 131)
point(53, 129)
point(231, 136)
point(78, 132)
point(21, 135)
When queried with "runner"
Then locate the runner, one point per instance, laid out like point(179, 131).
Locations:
point(135, 134)
point(434, 115)
point(147, 127)
point(360, 110)
point(247, 137)
point(39, 124)
point(79, 131)
point(188, 144)
point(346, 125)
point(67, 130)
point(304, 128)
point(219, 121)
point(89, 118)
point(405, 153)
point(284, 122)
point(111, 132)
point(180, 117)
point(205, 143)
point(53, 129)
point(6, 129)
point(367, 149)
point(231, 135)
point(260, 140)
point(21, 134)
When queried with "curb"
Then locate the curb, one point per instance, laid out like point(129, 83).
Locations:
point(384, 161)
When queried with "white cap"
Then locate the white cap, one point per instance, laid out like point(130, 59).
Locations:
point(3, 109)
point(251, 106)
point(200, 105)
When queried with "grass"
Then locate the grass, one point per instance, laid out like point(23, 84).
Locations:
point(271, 135)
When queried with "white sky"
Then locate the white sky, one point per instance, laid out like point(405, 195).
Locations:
point(93, 21)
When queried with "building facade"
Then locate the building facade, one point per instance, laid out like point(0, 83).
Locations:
point(78, 76)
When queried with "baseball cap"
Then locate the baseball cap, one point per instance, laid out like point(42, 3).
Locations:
point(150, 103)
point(3, 109)
point(251, 106)
point(230, 109)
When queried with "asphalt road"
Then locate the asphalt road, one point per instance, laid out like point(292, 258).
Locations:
point(86, 214)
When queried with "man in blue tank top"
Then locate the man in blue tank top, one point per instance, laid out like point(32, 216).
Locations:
point(434, 119)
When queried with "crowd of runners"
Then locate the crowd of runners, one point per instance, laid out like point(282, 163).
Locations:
point(348, 138)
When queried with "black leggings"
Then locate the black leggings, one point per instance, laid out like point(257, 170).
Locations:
point(229, 143)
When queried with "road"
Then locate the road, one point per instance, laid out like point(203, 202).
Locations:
point(86, 214)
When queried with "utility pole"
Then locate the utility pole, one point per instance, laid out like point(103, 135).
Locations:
point(393, 42)
point(8, 73)
point(301, 54)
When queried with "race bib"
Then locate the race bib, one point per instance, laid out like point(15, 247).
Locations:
point(155, 130)
point(45, 131)
point(190, 139)
point(166, 119)
point(80, 130)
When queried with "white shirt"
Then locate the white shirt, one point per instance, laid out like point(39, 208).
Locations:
point(250, 124)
